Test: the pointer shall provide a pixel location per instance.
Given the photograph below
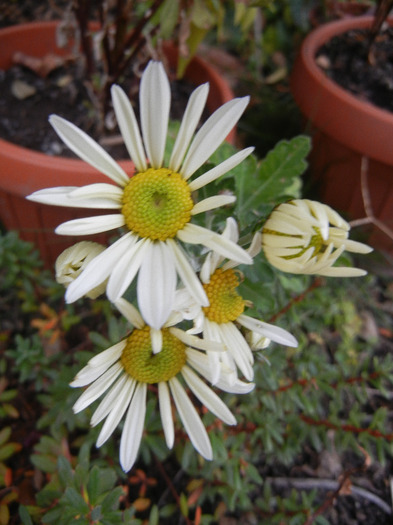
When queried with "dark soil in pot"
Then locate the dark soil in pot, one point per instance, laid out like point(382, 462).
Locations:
point(28, 99)
point(367, 73)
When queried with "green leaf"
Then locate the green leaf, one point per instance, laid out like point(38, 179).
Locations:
point(75, 500)
point(111, 500)
point(275, 177)
point(5, 434)
point(24, 515)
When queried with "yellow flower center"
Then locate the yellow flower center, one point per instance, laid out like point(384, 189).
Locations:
point(225, 303)
point(157, 204)
point(141, 364)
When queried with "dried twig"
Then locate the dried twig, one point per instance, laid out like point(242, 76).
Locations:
point(370, 218)
point(330, 484)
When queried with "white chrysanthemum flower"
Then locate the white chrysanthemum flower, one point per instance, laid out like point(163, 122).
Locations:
point(73, 260)
point(155, 205)
point(124, 372)
point(307, 237)
point(221, 319)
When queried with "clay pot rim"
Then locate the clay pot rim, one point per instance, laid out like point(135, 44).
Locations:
point(307, 72)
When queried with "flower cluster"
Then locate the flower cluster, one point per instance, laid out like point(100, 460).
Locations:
point(188, 324)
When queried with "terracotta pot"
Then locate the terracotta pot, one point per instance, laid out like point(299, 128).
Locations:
point(24, 171)
point(345, 128)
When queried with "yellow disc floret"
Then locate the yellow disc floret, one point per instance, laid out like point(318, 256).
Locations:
point(141, 364)
point(225, 303)
point(157, 204)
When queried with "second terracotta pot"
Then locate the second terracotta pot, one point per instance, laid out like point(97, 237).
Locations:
point(345, 128)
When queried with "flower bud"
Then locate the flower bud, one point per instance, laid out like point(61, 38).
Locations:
point(74, 260)
point(306, 237)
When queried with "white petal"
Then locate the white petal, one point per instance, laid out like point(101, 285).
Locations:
point(342, 271)
point(200, 362)
point(157, 284)
point(196, 342)
point(187, 274)
point(155, 99)
point(102, 195)
point(166, 413)
point(119, 406)
point(129, 128)
point(109, 400)
point(238, 348)
point(207, 397)
point(133, 428)
point(57, 196)
point(212, 134)
point(212, 333)
point(88, 375)
point(198, 235)
point(98, 270)
point(88, 150)
point(275, 333)
point(191, 420)
point(96, 389)
point(221, 169)
point(125, 269)
point(108, 356)
point(156, 340)
point(91, 225)
point(130, 312)
point(212, 203)
point(191, 117)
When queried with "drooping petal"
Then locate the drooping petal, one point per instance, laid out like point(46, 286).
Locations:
point(212, 134)
point(156, 340)
point(96, 389)
point(207, 397)
point(239, 349)
point(119, 406)
point(227, 382)
point(191, 420)
point(191, 117)
point(91, 225)
point(125, 269)
point(195, 234)
point(108, 356)
point(99, 268)
point(187, 274)
point(100, 194)
point(155, 100)
point(156, 284)
point(212, 203)
point(129, 128)
point(109, 400)
point(275, 333)
point(166, 413)
point(88, 150)
point(221, 169)
point(196, 342)
point(133, 428)
point(130, 312)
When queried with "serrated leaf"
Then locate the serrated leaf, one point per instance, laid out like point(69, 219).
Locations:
point(275, 177)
